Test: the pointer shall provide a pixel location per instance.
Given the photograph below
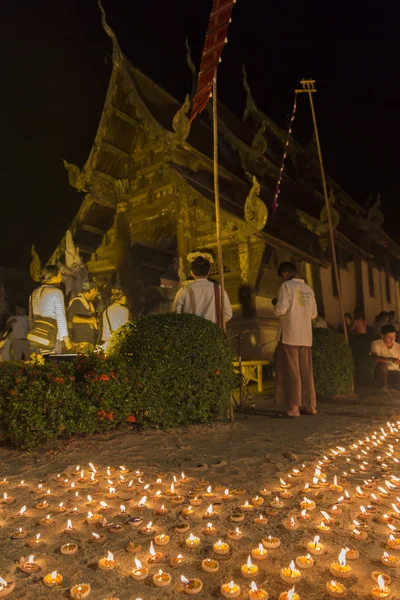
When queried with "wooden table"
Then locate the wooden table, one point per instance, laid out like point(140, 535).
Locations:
point(252, 371)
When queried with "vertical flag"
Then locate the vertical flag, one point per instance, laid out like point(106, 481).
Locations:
point(215, 41)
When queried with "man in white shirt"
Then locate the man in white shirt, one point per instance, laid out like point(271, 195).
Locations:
point(115, 315)
point(296, 308)
point(202, 297)
point(386, 356)
point(19, 325)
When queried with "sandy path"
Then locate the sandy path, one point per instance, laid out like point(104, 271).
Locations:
point(247, 454)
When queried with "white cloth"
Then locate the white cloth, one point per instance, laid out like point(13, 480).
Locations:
point(117, 315)
point(295, 307)
point(379, 348)
point(198, 298)
point(19, 326)
point(48, 301)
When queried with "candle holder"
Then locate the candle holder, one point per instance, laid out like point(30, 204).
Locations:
point(177, 561)
point(6, 587)
point(139, 573)
point(107, 563)
point(249, 569)
point(221, 548)
point(271, 542)
point(259, 553)
point(352, 554)
point(53, 579)
point(182, 527)
point(30, 566)
point(257, 594)
point(336, 589)
point(192, 586)
point(230, 590)
point(68, 549)
point(381, 590)
point(305, 562)
point(390, 561)
point(290, 574)
point(192, 541)
point(290, 595)
point(80, 591)
point(210, 565)
point(162, 539)
point(235, 535)
point(162, 579)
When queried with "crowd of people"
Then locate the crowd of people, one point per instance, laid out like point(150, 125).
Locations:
point(54, 326)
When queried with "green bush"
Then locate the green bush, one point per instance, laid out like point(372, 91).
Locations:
point(181, 365)
point(332, 363)
point(363, 364)
point(160, 370)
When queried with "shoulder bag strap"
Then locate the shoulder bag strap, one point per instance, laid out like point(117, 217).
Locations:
point(217, 304)
point(108, 320)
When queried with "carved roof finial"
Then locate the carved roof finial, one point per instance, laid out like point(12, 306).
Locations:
point(251, 109)
point(74, 176)
point(255, 211)
point(117, 54)
point(181, 123)
point(375, 214)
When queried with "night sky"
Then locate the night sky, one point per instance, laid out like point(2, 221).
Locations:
point(55, 68)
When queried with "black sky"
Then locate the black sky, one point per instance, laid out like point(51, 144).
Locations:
point(55, 68)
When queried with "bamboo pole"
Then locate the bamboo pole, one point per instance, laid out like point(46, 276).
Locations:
point(217, 205)
point(308, 86)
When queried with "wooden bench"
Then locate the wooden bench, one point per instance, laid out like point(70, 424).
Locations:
point(252, 371)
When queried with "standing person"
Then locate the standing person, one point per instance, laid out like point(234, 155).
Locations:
point(48, 323)
point(115, 315)
point(201, 297)
point(359, 323)
point(386, 356)
point(82, 319)
point(393, 321)
point(19, 325)
point(296, 308)
point(381, 320)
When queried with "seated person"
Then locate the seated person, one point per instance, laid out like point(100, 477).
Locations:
point(386, 356)
point(359, 323)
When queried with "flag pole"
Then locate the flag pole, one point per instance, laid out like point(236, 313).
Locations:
point(308, 87)
point(217, 204)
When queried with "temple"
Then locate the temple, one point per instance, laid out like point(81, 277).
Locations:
point(149, 200)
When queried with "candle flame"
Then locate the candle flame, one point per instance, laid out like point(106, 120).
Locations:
point(138, 563)
point(303, 513)
point(122, 508)
point(226, 492)
point(231, 585)
point(342, 557)
point(142, 502)
point(209, 525)
point(54, 575)
point(209, 510)
point(364, 512)
point(292, 566)
point(253, 586)
point(2, 582)
point(316, 540)
point(23, 509)
point(261, 548)
point(335, 481)
point(184, 580)
point(249, 563)
point(37, 537)
point(89, 515)
point(290, 594)
point(96, 536)
point(149, 525)
point(69, 524)
point(238, 531)
point(209, 489)
point(151, 550)
point(110, 556)
point(31, 559)
point(381, 583)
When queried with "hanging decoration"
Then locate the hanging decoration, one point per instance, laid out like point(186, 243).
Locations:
point(281, 170)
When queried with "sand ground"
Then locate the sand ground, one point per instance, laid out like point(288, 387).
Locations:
point(248, 454)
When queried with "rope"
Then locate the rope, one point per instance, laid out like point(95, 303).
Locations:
point(281, 170)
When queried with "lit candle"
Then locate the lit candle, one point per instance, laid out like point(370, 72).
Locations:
point(6, 587)
point(290, 595)
point(230, 590)
point(97, 538)
point(340, 569)
point(148, 529)
point(290, 574)
point(139, 573)
point(208, 493)
point(271, 542)
point(259, 553)
point(305, 562)
point(210, 565)
point(235, 535)
point(261, 520)
point(257, 594)
point(315, 547)
point(80, 591)
point(257, 501)
point(335, 487)
point(191, 586)
point(221, 547)
point(52, 579)
point(188, 512)
point(192, 541)
point(29, 566)
point(359, 535)
point(209, 512)
point(107, 563)
point(264, 492)
point(276, 503)
point(291, 524)
point(336, 589)
point(18, 535)
point(69, 527)
point(161, 579)
point(209, 530)
point(389, 560)
point(47, 521)
point(386, 578)
point(196, 501)
point(246, 507)
point(177, 561)
point(307, 504)
point(381, 590)
point(162, 539)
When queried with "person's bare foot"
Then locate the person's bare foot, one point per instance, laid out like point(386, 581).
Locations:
point(293, 410)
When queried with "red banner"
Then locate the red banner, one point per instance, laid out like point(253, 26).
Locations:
point(214, 44)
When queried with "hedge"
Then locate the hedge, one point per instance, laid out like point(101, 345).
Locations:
point(332, 363)
point(363, 364)
point(162, 371)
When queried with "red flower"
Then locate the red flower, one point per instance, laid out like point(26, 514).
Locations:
point(131, 419)
point(110, 416)
point(104, 377)
point(101, 414)
point(113, 375)
point(217, 372)
point(58, 380)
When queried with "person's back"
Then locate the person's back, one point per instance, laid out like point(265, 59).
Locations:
point(116, 315)
point(295, 308)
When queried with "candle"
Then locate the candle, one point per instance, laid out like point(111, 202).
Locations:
point(359, 535)
point(178, 499)
point(97, 538)
point(259, 553)
point(257, 501)
point(246, 507)
point(69, 527)
point(261, 520)
point(386, 578)
point(29, 566)
point(135, 521)
point(323, 528)
point(6, 587)
point(210, 565)
point(42, 505)
point(290, 574)
point(389, 560)
point(221, 547)
point(18, 535)
point(271, 542)
point(290, 595)
point(235, 535)
point(381, 590)
point(161, 579)
point(291, 524)
point(237, 517)
point(209, 512)
point(107, 563)
point(148, 529)
point(208, 493)
point(276, 503)
point(155, 557)
point(230, 590)
point(47, 521)
point(209, 530)
point(305, 562)
point(264, 492)
point(177, 561)
point(227, 496)
point(307, 504)
point(315, 547)
point(93, 518)
point(340, 569)
point(187, 512)
point(192, 541)
point(80, 591)
point(196, 501)
point(191, 586)
point(335, 510)
point(162, 539)
point(304, 516)
point(139, 573)
point(70, 548)
point(336, 589)
point(257, 594)
point(335, 487)
point(285, 494)
point(182, 527)
point(52, 579)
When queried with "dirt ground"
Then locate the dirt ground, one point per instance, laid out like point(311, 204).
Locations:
point(248, 455)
